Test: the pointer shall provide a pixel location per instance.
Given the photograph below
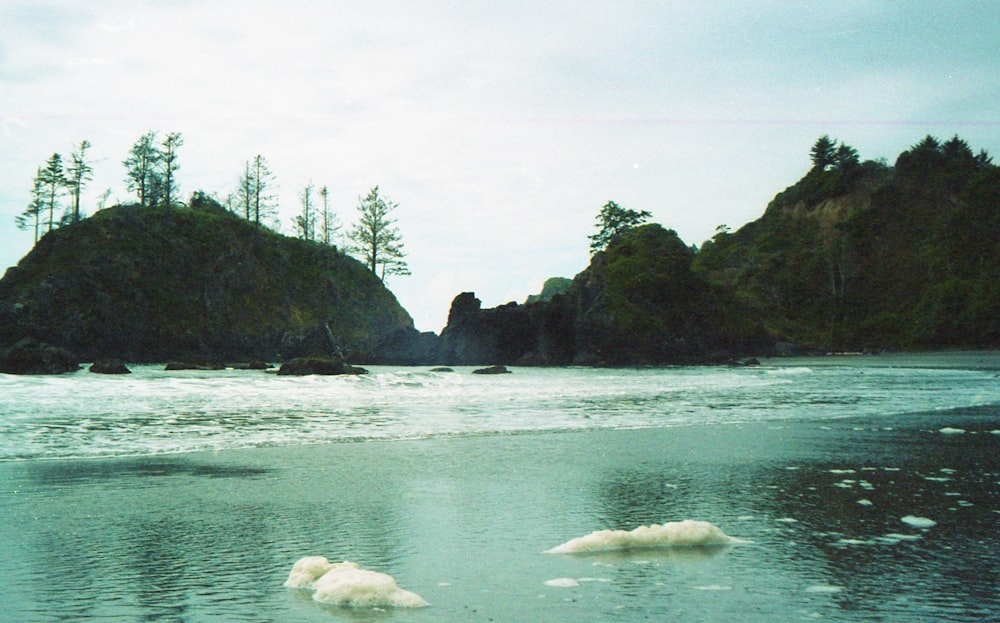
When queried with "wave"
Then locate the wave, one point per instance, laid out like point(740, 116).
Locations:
point(687, 533)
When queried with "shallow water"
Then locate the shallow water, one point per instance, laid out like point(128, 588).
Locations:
point(866, 490)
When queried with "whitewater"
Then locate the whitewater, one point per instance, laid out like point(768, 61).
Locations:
point(153, 411)
point(845, 488)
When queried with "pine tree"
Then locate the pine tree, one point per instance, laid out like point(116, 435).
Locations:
point(53, 180)
point(376, 239)
point(142, 169)
point(78, 174)
point(823, 153)
point(612, 221)
point(32, 215)
point(306, 221)
point(168, 161)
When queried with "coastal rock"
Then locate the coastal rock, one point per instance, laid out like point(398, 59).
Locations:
point(194, 365)
point(31, 357)
point(638, 303)
point(492, 370)
point(109, 366)
point(329, 366)
point(255, 364)
point(144, 284)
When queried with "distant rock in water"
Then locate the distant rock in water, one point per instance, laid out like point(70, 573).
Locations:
point(173, 366)
point(492, 370)
point(109, 366)
point(186, 284)
point(329, 366)
point(31, 357)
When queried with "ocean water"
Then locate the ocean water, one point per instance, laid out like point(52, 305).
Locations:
point(859, 489)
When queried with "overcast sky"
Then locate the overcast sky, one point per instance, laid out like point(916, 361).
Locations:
point(499, 127)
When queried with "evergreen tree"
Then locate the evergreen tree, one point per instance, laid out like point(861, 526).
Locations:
point(32, 215)
point(376, 239)
point(306, 221)
point(255, 194)
point(168, 161)
point(823, 153)
point(53, 180)
point(79, 173)
point(330, 223)
point(612, 221)
point(142, 169)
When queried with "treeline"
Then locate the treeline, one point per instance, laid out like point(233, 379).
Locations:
point(150, 172)
point(864, 255)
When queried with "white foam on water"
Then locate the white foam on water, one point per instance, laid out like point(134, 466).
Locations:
point(947, 430)
point(346, 584)
point(562, 583)
point(824, 588)
point(918, 522)
point(713, 587)
point(865, 502)
point(893, 537)
point(687, 533)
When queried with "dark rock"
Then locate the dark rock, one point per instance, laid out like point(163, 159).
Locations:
point(194, 365)
point(492, 370)
point(442, 369)
point(31, 357)
point(329, 366)
point(109, 366)
point(251, 365)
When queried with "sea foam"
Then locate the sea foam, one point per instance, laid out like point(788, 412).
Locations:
point(687, 533)
point(346, 584)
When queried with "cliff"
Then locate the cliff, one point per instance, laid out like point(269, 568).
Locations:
point(145, 284)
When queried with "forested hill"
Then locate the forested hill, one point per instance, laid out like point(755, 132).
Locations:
point(152, 284)
point(867, 255)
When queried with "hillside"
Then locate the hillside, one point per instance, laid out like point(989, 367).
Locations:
point(870, 256)
point(149, 284)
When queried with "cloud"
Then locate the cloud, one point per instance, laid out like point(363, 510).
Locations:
point(500, 128)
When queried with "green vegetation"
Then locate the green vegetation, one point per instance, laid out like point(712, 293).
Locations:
point(146, 284)
point(867, 256)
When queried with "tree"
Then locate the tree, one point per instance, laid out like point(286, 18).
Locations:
point(53, 179)
point(330, 223)
point(612, 221)
point(306, 221)
point(376, 239)
point(823, 153)
point(168, 161)
point(255, 191)
point(32, 215)
point(141, 169)
point(78, 174)
point(847, 157)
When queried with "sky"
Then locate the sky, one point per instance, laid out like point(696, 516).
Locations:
point(499, 127)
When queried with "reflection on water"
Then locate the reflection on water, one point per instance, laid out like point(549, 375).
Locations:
point(463, 522)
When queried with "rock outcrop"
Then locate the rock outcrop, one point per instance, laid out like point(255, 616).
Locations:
point(153, 285)
point(29, 356)
point(638, 303)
